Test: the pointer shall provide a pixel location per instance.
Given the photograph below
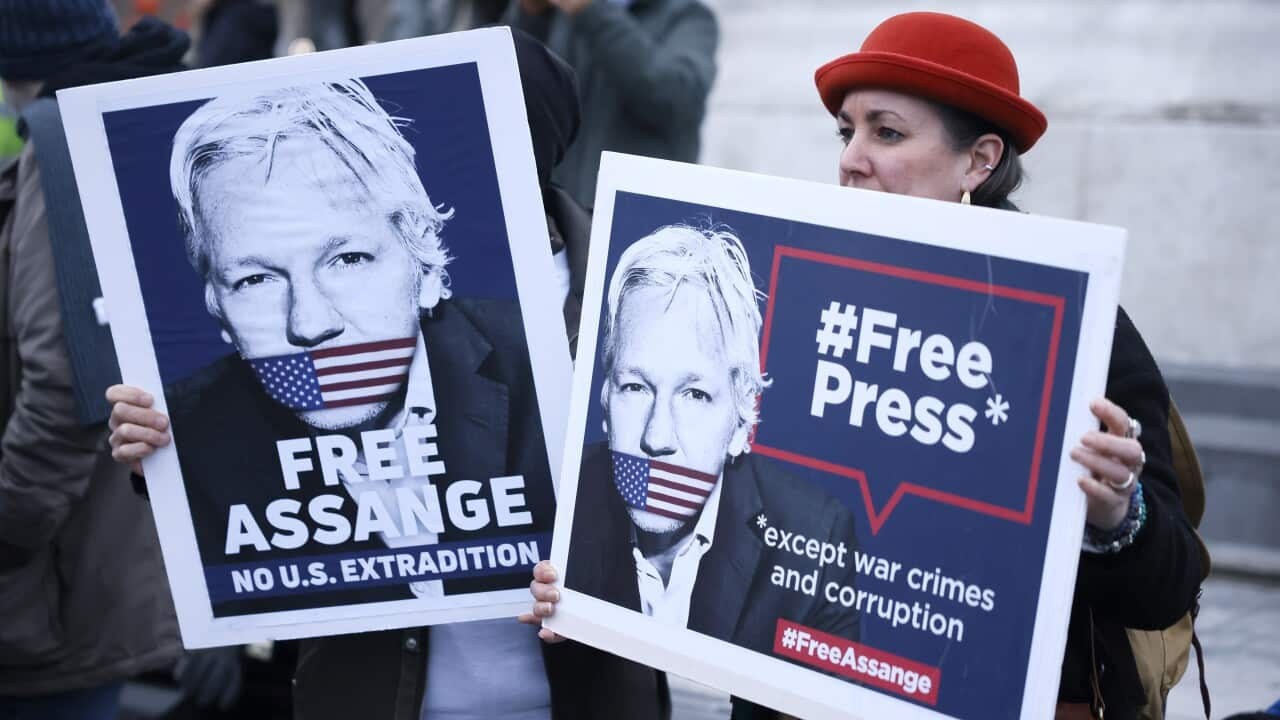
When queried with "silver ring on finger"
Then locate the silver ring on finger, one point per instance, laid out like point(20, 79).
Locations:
point(1135, 429)
point(1142, 464)
point(1128, 483)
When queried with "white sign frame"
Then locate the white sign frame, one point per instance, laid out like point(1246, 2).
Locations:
point(773, 682)
point(493, 53)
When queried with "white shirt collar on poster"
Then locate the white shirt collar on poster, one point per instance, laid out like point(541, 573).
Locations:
point(669, 604)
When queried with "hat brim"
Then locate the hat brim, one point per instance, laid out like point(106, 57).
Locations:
point(1008, 111)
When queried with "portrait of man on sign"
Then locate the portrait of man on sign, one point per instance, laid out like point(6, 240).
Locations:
point(364, 408)
point(674, 517)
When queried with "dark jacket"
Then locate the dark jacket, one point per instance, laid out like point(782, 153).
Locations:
point(644, 73)
point(1153, 582)
point(390, 668)
point(737, 567)
point(83, 598)
point(235, 31)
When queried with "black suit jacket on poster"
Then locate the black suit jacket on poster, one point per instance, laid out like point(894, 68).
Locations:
point(733, 597)
point(487, 420)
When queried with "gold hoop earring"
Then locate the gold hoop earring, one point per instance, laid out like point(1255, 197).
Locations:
point(964, 199)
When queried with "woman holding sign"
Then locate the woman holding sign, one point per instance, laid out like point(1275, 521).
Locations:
point(929, 107)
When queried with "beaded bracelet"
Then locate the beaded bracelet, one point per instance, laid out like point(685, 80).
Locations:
point(1104, 542)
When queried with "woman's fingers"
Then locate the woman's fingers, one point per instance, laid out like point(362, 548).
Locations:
point(1124, 450)
point(1098, 491)
point(130, 433)
point(549, 636)
point(1103, 467)
point(1111, 415)
point(122, 413)
point(130, 395)
point(544, 592)
point(136, 429)
point(545, 572)
point(545, 596)
point(131, 452)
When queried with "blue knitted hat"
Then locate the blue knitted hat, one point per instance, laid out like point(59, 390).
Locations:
point(40, 37)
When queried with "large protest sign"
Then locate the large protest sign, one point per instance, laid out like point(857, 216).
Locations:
point(333, 272)
point(817, 453)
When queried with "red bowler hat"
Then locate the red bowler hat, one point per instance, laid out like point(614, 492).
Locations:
point(942, 58)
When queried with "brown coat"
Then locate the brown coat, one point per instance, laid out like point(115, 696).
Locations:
point(83, 599)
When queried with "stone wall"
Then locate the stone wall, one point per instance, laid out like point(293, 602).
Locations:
point(1164, 118)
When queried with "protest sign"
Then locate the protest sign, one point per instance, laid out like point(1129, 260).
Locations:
point(333, 273)
point(817, 452)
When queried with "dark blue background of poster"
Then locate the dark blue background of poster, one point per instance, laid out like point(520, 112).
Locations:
point(982, 675)
point(450, 134)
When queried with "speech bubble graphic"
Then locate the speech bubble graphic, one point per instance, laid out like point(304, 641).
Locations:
point(914, 383)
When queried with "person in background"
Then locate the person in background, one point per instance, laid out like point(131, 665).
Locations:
point(930, 107)
point(10, 142)
point(233, 31)
point(645, 68)
point(83, 601)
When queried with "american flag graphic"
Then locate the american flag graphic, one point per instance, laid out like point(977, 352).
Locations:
point(338, 376)
point(661, 488)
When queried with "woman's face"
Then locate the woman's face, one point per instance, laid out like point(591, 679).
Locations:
point(896, 143)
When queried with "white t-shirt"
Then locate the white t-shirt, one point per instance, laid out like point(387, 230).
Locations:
point(486, 669)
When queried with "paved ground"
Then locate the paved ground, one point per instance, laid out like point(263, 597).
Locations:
point(1239, 625)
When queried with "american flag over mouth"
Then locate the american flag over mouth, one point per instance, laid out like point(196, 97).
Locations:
point(336, 377)
point(661, 488)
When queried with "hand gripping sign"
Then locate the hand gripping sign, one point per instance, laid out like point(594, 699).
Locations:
point(816, 454)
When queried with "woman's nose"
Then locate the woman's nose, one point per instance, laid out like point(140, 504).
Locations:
point(854, 161)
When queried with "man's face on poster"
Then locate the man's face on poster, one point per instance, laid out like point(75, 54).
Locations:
point(304, 259)
point(670, 394)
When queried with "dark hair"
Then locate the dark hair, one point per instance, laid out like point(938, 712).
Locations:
point(963, 129)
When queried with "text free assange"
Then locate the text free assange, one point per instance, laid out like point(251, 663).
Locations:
point(407, 510)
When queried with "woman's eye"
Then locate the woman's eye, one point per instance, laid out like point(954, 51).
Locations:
point(251, 280)
point(845, 134)
point(890, 134)
point(348, 259)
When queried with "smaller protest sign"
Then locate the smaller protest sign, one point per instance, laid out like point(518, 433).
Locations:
point(817, 449)
point(339, 290)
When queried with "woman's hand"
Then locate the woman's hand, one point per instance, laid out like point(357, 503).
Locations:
point(1114, 459)
point(545, 597)
point(136, 429)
